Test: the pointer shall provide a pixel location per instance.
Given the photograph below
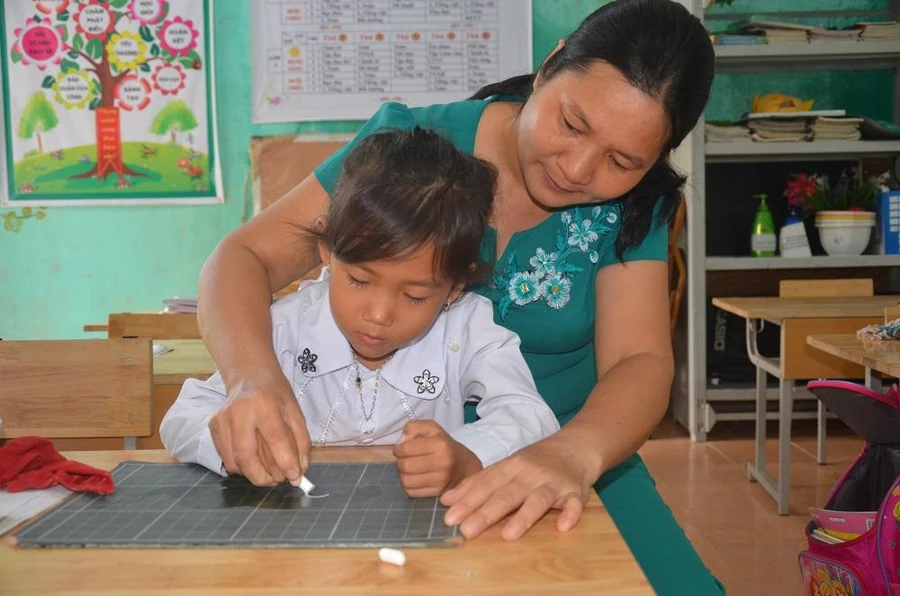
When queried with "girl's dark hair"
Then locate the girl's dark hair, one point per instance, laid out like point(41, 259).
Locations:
point(664, 51)
point(401, 189)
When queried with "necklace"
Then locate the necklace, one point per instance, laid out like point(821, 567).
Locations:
point(367, 424)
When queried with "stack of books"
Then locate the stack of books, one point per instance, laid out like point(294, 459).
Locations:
point(726, 132)
point(826, 128)
point(780, 130)
point(889, 31)
point(778, 32)
point(819, 35)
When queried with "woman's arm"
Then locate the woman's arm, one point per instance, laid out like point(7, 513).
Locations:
point(635, 365)
point(635, 370)
point(260, 432)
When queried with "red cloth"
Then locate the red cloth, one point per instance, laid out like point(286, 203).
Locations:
point(33, 462)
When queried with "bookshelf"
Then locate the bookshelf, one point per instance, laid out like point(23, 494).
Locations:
point(697, 404)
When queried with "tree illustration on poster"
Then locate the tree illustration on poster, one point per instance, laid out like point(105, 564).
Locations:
point(111, 102)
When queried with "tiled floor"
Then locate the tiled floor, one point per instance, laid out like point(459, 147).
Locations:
point(731, 521)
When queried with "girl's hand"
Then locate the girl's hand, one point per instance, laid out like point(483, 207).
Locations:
point(543, 476)
point(430, 461)
point(261, 433)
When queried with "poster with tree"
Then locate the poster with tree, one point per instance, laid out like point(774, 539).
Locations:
point(108, 102)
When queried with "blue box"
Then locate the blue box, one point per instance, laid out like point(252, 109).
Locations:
point(889, 222)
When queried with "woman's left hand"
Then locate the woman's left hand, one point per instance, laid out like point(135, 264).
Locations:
point(543, 476)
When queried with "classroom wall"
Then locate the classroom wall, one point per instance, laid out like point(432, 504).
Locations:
point(79, 264)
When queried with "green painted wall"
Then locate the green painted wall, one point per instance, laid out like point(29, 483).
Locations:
point(78, 264)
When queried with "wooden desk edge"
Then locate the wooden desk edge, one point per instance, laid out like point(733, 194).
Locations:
point(821, 342)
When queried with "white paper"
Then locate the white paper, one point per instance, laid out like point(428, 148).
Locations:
point(15, 508)
point(340, 60)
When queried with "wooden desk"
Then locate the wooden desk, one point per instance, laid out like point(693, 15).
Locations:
point(590, 559)
point(189, 359)
point(883, 356)
point(798, 318)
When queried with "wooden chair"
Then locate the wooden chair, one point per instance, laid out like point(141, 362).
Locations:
point(76, 388)
point(153, 325)
point(824, 288)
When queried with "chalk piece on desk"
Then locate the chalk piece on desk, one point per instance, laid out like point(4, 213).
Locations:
point(392, 556)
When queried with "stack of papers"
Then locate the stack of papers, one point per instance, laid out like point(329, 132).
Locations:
point(880, 31)
point(829, 35)
point(778, 32)
point(180, 305)
point(836, 129)
point(726, 133)
point(775, 130)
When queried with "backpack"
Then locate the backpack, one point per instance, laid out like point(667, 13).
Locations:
point(854, 541)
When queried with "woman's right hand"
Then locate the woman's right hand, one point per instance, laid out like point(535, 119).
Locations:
point(261, 433)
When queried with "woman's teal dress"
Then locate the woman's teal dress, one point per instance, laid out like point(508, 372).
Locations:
point(543, 289)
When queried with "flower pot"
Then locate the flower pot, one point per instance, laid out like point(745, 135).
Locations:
point(845, 233)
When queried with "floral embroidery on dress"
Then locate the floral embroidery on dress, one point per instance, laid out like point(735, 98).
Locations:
point(550, 276)
point(307, 361)
point(426, 381)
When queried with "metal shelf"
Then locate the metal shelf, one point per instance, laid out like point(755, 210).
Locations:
point(791, 151)
point(822, 262)
point(807, 56)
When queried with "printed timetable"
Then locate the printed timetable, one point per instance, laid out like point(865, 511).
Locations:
point(341, 59)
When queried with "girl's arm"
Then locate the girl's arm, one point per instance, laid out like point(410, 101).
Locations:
point(634, 368)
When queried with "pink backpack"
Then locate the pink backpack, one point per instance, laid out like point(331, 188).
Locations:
point(863, 508)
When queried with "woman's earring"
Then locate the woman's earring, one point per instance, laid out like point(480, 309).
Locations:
point(446, 306)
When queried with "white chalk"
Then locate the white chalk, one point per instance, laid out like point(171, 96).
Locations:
point(305, 485)
point(392, 556)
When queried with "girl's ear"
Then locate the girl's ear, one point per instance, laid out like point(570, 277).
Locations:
point(324, 253)
point(538, 78)
point(455, 291)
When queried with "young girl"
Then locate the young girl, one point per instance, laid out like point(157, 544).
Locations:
point(385, 348)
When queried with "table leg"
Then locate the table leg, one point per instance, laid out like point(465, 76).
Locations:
point(822, 433)
point(785, 413)
point(761, 391)
point(756, 470)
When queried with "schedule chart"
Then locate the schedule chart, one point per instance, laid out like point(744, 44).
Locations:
point(340, 59)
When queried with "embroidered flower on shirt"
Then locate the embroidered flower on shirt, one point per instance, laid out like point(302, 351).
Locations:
point(556, 290)
point(544, 263)
point(550, 278)
point(425, 381)
point(581, 235)
point(307, 361)
point(523, 287)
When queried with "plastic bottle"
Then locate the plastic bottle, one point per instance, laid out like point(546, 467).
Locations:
point(763, 241)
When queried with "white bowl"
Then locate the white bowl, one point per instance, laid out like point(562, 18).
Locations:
point(848, 240)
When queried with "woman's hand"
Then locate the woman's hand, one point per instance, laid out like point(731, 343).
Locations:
point(543, 476)
point(430, 460)
point(261, 433)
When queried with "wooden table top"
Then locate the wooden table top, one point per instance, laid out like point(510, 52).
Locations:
point(189, 358)
point(590, 559)
point(774, 308)
point(883, 356)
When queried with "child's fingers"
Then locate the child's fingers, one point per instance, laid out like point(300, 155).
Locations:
point(419, 428)
point(432, 481)
point(420, 464)
point(417, 447)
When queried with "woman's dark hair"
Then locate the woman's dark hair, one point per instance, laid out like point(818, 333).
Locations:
point(401, 189)
point(664, 51)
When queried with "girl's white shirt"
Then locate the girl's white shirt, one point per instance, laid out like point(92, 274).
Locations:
point(464, 356)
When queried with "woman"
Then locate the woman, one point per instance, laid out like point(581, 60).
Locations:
point(578, 240)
